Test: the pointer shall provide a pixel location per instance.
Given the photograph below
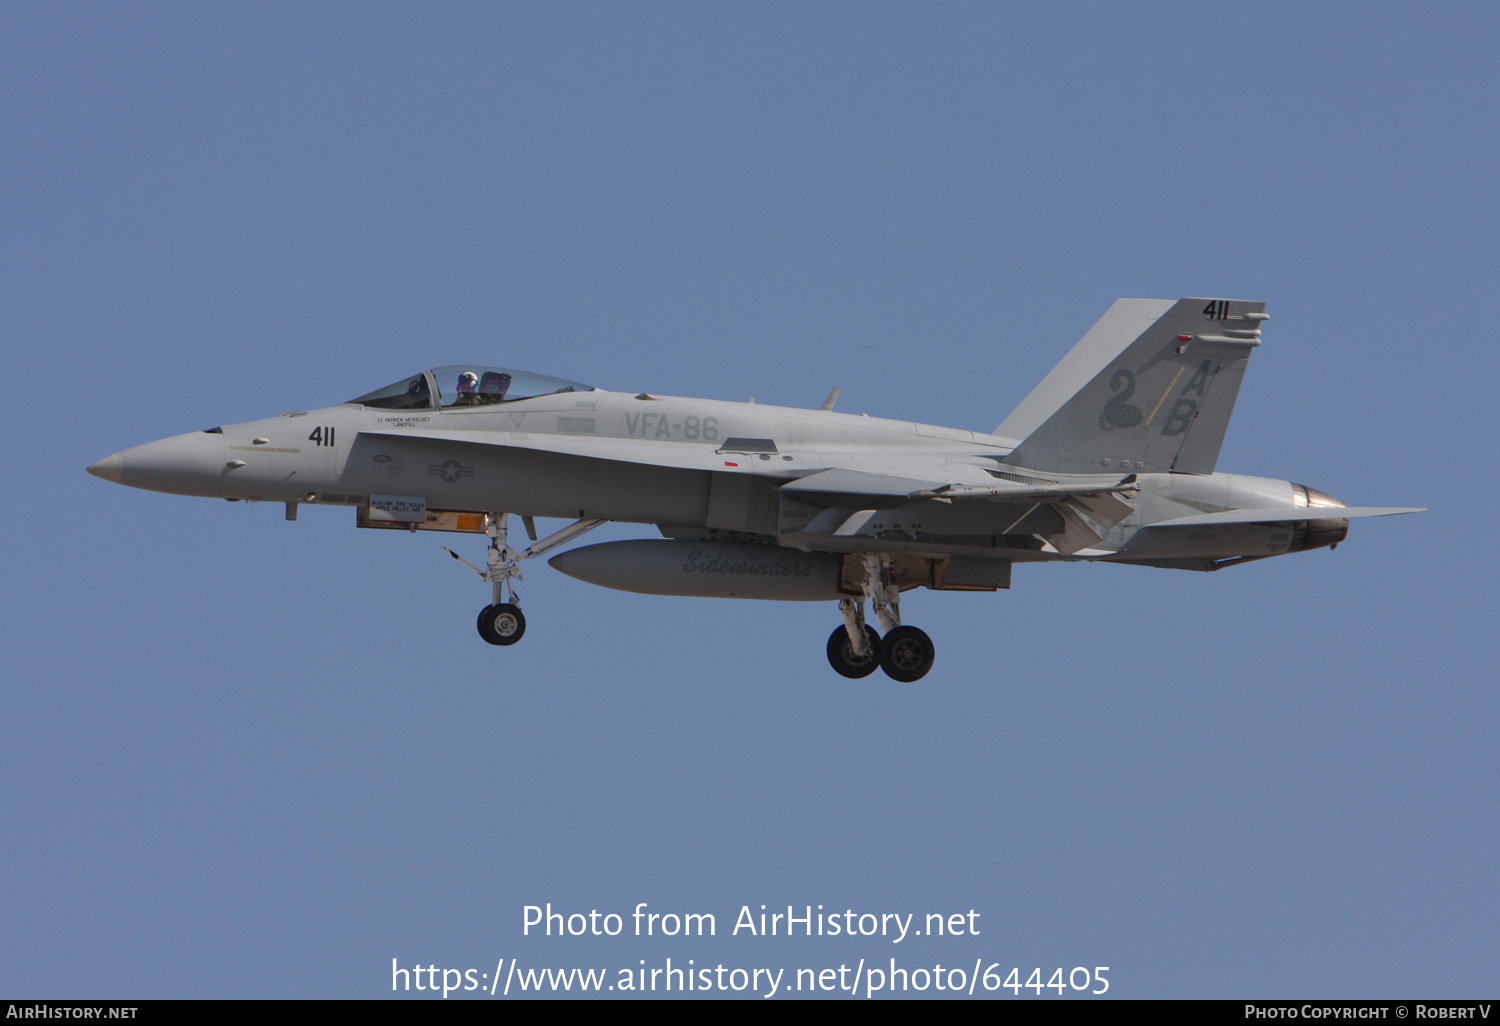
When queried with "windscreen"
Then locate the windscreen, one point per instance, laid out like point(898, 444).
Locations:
point(407, 394)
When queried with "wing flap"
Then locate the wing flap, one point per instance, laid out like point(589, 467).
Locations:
point(1100, 501)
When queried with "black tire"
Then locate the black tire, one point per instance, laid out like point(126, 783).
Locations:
point(841, 653)
point(502, 624)
point(906, 654)
point(483, 625)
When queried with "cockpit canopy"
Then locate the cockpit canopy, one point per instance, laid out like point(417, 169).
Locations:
point(459, 387)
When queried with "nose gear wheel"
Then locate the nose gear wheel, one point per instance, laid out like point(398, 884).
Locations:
point(501, 624)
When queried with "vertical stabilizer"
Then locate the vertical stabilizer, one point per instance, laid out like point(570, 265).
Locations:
point(1121, 325)
point(1149, 389)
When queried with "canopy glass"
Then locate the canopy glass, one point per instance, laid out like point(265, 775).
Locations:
point(464, 386)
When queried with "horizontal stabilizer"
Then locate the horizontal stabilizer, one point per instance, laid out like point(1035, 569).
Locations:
point(1287, 513)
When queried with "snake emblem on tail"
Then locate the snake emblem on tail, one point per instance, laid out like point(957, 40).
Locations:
point(1117, 412)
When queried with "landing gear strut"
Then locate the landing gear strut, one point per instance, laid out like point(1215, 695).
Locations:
point(501, 622)
point(855, 649)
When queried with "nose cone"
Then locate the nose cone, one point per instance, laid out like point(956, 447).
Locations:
point(184, 465)
point(107, 468)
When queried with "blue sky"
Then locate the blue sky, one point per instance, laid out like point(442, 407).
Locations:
point(250, 758)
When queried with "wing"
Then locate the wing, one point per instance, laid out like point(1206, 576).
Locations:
point(949, 503)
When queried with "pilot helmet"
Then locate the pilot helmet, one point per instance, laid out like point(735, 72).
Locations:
point(467, 380)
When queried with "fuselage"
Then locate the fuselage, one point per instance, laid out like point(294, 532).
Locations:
point(691, 465)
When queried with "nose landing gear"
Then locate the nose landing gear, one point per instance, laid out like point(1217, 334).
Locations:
point(501, 622)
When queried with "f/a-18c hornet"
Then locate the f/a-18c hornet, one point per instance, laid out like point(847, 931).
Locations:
point(1110, 459)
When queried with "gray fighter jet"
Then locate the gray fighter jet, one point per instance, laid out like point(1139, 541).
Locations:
point(1110, 459)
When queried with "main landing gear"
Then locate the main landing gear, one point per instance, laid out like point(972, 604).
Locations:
point(502, 623)
point(856, 649)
